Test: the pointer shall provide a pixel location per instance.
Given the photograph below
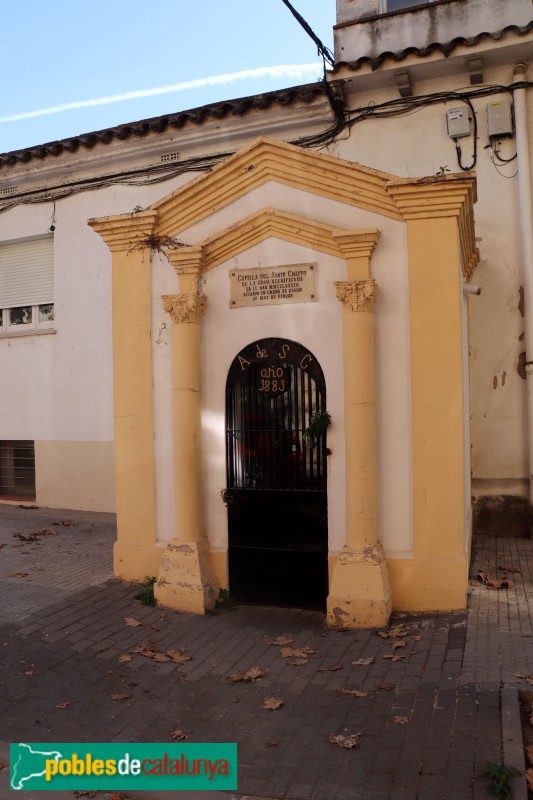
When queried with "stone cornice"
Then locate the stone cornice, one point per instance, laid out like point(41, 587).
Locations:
point(185, 307)
point(272, 222)
point(421, 198)
point(185, 259)
point(357, 244)
point(357, 295)
point(272, 160)
point(442, 197)
point(126, 231)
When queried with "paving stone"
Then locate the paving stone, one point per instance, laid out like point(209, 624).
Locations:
point(459, 693)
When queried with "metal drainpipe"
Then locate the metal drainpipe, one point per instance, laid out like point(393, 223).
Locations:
point(526, 245)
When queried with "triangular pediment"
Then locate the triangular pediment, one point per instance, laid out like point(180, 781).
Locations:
point(264, 224)
point(271, 160)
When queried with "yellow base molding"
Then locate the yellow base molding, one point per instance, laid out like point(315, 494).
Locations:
point(219, 565)
point(136, 562)
point(429, 584)
point(360, 594)
point(186, 581)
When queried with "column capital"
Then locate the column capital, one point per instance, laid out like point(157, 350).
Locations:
point(126, 231)
point(357, 295)
point(185, 307)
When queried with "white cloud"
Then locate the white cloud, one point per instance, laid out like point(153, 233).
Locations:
point(301, 72)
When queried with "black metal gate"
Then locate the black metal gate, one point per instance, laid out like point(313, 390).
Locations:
point(276, 482)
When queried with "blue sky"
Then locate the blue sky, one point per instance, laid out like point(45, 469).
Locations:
point(61, 53)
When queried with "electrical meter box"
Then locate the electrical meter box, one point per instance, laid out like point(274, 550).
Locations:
point(458, 122)
point(500, 118)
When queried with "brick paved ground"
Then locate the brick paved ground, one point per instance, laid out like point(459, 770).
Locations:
point(430, 721)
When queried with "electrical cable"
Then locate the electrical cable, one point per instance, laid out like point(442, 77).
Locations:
point(345, 119)
point(326, 54)
point(496, 154)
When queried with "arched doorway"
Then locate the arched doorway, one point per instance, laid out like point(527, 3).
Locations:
point(276, 479)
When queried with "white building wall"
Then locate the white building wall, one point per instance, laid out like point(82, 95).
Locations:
point(57, 388)
point(418, 145)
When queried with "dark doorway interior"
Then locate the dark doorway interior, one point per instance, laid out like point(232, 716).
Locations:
point(276, 482)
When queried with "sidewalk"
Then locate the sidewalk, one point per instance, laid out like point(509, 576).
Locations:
point(430, 720)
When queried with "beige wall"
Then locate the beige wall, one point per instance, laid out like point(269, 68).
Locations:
point(78, 475)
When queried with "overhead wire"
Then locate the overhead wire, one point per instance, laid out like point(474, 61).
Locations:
point(344, 120)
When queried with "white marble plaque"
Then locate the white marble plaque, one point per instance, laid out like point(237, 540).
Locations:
point(266, 286)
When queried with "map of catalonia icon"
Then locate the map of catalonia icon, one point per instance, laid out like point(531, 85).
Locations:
point(28, 763)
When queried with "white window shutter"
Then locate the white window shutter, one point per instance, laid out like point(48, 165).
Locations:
point(27, 273)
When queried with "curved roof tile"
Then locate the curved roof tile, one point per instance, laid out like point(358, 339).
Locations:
point(307, 93)
point(445, 48)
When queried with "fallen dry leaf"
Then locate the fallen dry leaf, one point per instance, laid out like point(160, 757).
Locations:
point(132, 623)
point(354, 692)
point(29, 537)
point(29, 672)
point(179, 736)
point(345, 741)
point(18, 575)
point(121, 696)
point(393, 657)
point(251, 675)
point(416, 638)
point(529, 778)
point(65, 522)
point(394, 633)
point(178, 657)
point(299, 652)
point(400, 720)
point(334, 668)
point(509, 569)
point(124, 659)
point(89, 794)
point(385, 686)
point(529, 753)
point(498, 583)
point(362, 662)
point(28, 507)
point(62, 705)
point(399, 643)
point(272, 703)
point(146, 650)
point(161, 658)
point(281, 641)
point(46, 532)
point(297, 662)
point(520, 674)
point(272, 743)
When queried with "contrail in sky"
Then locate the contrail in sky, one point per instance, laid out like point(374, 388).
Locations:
point(300, 71)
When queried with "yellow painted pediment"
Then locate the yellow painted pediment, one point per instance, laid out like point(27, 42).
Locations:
point(271, 160)
point(273, 222)
point(268, 159)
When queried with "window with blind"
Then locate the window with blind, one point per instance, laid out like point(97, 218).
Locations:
point(27, 285)
point(17, 470)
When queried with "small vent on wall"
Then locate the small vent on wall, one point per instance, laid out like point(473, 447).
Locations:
point(170, 156)
point(8, 190)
